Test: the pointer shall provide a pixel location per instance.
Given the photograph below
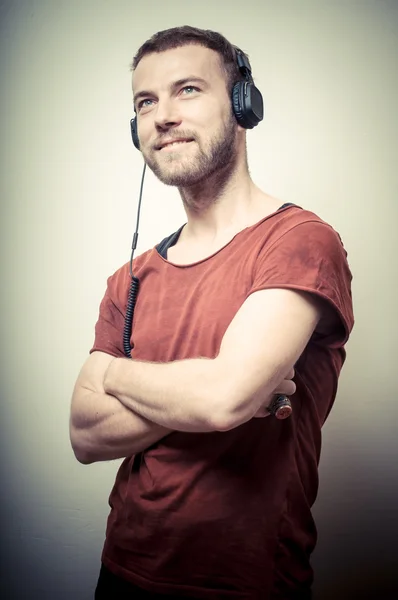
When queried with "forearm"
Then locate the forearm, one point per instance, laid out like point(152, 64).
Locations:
point(102, 428)
point(188, 395)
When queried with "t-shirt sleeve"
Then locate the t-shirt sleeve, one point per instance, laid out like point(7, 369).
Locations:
point(110, 324)
point(310, 257)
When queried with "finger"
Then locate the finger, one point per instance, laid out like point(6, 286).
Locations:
point(291, 374)
point(287, 387)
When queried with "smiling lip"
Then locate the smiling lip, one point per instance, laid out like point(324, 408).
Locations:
point(170, 142)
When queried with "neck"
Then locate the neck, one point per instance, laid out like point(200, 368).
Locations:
point(224, 203)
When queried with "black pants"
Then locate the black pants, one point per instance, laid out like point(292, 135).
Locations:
point(111, 587)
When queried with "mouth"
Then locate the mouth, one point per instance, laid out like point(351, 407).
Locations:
point(173, 144)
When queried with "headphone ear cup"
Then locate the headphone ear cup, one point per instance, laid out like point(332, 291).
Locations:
point(247, 104)
point(236, 102)
point(134, 133)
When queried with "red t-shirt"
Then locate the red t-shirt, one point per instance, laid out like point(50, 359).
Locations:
point(227, 514)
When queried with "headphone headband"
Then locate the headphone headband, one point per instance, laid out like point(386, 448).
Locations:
point(243, 63)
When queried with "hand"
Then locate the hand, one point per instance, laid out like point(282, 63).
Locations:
point(286, 387)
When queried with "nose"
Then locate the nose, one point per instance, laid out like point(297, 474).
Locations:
point(167, 115)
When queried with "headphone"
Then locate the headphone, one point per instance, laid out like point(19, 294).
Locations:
point(247, 101)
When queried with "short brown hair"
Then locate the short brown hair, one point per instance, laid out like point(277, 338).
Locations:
point(182, 36)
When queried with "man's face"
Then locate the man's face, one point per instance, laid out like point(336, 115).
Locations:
point(185, 123)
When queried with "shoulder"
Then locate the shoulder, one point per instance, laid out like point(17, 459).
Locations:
point(296, 228)
point(119, 281)
point(298, 250)
point(300, 239)
point(293, 216)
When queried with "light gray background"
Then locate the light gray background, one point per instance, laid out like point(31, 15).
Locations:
point(69, 185)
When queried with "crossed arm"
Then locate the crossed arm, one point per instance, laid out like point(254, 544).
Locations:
point(121, 406)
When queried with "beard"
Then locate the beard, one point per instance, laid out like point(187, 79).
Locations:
point(188, 167)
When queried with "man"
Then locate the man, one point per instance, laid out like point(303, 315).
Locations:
point(212, 500)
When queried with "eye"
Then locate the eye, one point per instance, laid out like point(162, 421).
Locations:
point(145, 103)
point(189, 89)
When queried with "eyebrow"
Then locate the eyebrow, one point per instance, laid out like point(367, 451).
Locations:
point(172, 86)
